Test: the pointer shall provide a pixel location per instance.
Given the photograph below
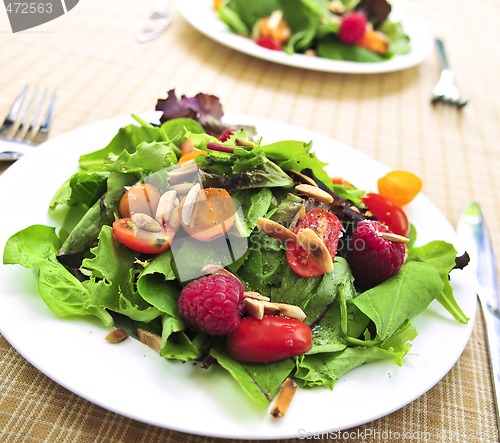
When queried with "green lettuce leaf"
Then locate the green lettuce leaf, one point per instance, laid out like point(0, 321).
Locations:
point(36, 247)
point(112, 281)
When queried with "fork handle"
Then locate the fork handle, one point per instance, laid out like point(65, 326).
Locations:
point(443, 58)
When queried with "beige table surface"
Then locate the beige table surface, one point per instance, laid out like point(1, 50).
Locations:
point(90, 56)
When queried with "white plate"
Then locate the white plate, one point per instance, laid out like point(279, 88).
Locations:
point(202, 16)
point(132, 380)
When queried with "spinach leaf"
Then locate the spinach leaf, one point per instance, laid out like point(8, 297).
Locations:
point(261, 381)
point(326, 368)
point(253, 204)
point(441, 255)
point(331, 48)
point(398, 299)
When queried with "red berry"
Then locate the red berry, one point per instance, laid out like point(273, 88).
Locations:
point(372, 258)
point(269, 43)
point(352, 27)
point(212, 304)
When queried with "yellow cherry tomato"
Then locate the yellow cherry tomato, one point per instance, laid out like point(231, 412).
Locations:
point(211, 214)
point(399, 186)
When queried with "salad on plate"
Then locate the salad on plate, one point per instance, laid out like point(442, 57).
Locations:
point(212, 246)
point(347, 30)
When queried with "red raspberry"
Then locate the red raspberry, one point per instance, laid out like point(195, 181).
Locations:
point(212, 304)
point(352, 27)
point(372, 258)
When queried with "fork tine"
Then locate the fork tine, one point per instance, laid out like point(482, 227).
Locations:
point(13, 112)
point(49, 116)
point(23, 129)
point(38, 109)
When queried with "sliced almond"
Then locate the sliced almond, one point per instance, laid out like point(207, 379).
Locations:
point(254, 307)
point(165, 206)
point(243, 142)
point(316, 249)
point(275, 230)
point(256, 296)
point(395, 238)
point(116, 336)
point(175, 220)
point(216, 269)
point(287, 310)
point(183, 188)
point(189, 203)
point(314, 192)
point(150, 339)
point(186, 172)
point(303, 178)
point(284, 398)
point(145, 222)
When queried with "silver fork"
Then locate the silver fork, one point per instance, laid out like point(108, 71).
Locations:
point(27, 124)
point(445, 90)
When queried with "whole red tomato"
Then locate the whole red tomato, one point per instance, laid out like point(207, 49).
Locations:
point(387, 212)
point(270, 339)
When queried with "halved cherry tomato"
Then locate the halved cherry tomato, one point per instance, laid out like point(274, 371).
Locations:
point(328, 227)
point(142, 198)
point(399, 186)
point(212, 214)
point(387, 212)
point(270, 339)
point(140, 240)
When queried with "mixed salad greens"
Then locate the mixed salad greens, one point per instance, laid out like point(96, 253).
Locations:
point(83, 270)
point(352, 30)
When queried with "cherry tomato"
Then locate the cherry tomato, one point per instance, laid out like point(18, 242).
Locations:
point(269, 43)
point(140, 240)
point(270, 339)
point(275, 27)
point(212, 214)
point(387, 212)
point(142, 198)
point(400, 186)
point(328, 228)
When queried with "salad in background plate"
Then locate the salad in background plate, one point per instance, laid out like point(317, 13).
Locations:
point(265, 223)
point(348, 30)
